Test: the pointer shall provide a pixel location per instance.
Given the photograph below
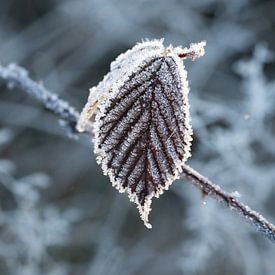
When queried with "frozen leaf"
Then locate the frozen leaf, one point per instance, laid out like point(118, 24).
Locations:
point(142, 126)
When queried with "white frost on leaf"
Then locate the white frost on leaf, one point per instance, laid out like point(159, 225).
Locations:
point(140, 116)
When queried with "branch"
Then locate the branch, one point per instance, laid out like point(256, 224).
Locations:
point(16, 76)
point(208, 188)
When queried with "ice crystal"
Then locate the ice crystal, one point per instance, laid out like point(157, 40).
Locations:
point(142, 125)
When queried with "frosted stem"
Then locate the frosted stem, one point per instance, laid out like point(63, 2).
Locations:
point(196, 50)
point(16, 76)
point(208, 188)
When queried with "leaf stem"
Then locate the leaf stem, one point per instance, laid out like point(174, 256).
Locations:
point(196, 50)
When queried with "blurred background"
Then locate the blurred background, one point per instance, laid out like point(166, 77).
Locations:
point(59, 215)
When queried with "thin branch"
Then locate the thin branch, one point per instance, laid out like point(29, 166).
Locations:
point(208, 188)
point(16, 76)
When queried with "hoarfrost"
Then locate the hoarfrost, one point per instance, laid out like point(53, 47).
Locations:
point(141, 110)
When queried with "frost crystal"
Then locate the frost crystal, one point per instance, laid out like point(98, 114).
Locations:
point(141, 120)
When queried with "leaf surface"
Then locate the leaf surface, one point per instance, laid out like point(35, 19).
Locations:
point(143, 134)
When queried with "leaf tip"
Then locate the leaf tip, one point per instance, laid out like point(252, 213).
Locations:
point(148, 225)
point(144, 211)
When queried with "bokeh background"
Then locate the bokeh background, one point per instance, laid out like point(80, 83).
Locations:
point(59, 215)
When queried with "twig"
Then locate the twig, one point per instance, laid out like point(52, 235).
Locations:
point(208, 188)
point(16, 76)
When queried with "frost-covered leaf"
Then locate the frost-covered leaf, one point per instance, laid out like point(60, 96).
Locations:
point(142, 125)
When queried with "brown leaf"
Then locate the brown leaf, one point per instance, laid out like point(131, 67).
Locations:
point(142, 129)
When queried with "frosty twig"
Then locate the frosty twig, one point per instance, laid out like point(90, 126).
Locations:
point(195, 51)
point(208, 188)
point(16, 76)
